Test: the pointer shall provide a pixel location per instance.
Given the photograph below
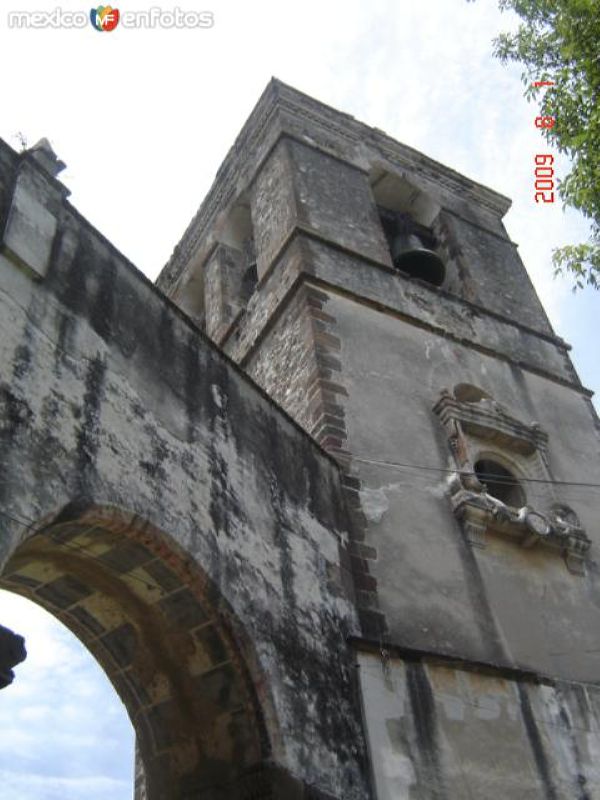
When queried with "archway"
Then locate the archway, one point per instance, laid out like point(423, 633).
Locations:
point(165, 639)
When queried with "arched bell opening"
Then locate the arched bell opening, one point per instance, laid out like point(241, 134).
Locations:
point(413, 248)
point(172, 654)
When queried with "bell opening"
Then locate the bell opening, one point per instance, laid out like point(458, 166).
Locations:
point(423, 264)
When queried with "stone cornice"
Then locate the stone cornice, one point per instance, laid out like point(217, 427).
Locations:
point(489, 420)
point(394, 649)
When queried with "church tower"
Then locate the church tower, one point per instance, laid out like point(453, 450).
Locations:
point(375, 295)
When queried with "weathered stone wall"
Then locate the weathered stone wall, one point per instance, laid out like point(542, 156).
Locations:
point(438, 731)
point(274, 206)
point(166, 510)
point(286, 361)
point(334, 201)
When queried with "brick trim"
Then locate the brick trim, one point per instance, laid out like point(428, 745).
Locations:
point(326, 396)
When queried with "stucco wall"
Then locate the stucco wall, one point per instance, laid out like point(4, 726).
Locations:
point(502, 603)
point(437, 731)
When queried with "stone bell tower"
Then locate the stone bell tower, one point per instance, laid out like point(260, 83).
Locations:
point(375, 295)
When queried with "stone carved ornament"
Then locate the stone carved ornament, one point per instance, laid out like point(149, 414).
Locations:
point(468, 422)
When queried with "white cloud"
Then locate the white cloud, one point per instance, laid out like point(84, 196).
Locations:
point(18, 786)
point(61, 723)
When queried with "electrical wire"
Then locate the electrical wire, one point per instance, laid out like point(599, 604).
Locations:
point(449, 471)
point(150, 585)
point(501, 479)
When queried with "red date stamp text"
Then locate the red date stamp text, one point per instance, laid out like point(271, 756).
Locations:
point(544, 169)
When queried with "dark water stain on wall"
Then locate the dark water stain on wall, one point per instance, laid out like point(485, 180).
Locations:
point(535, 741)
point(88, 434)
point(480, 603)
point(427, 757)
point(579, 779)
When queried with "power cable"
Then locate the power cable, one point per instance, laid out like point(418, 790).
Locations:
point(447, 470)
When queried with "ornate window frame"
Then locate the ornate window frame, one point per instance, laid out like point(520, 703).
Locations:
point(485, 429)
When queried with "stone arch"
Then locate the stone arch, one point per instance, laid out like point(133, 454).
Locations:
point(168, 641)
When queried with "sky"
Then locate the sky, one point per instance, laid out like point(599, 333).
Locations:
point(143, 118)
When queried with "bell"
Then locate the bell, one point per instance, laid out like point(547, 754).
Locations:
point(409, 255)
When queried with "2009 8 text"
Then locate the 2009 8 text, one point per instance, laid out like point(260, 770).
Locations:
point(544, 170)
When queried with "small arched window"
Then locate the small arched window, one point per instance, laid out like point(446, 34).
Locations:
point(468, 393)
point(500, 483)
